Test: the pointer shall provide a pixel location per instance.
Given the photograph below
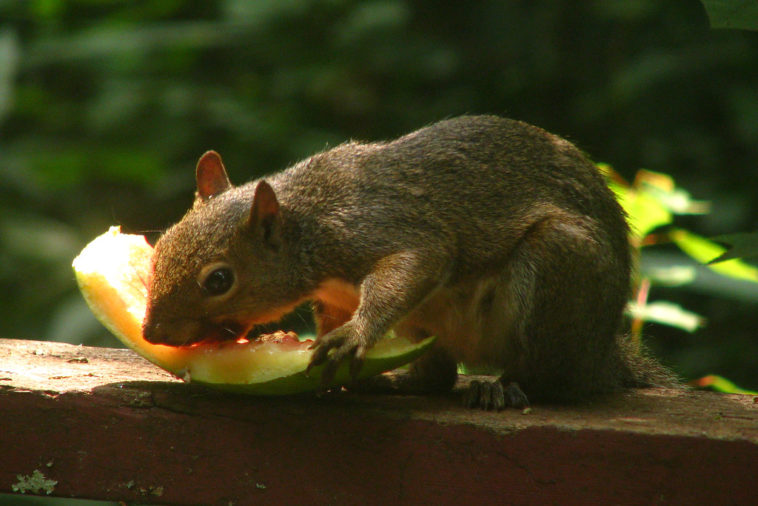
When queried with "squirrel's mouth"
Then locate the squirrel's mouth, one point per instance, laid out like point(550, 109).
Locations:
point(240, 328)
point(209, 330)
point(220, 332)
point(240, 332)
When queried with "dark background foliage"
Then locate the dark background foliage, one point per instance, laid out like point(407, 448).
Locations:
point(105, 106)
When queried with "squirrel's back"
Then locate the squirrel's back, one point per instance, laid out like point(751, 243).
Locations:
point(479, 182)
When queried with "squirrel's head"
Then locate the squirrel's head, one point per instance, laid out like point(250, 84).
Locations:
point(219, 270)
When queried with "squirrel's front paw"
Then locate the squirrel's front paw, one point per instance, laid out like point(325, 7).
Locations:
point(333, 348)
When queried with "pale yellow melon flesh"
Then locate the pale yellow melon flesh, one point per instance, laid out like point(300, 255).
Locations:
point(112, 272)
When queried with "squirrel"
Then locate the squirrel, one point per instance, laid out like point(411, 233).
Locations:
point(495, 236)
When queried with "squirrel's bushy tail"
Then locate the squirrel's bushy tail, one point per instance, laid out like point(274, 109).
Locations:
point(639, 369)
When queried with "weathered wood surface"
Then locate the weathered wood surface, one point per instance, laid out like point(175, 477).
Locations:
point(105, 424)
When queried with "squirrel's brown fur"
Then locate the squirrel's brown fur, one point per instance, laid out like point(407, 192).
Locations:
point(495, 236)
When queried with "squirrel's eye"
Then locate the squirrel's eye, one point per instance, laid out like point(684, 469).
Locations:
point(218, 281)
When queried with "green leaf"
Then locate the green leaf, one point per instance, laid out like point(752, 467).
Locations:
point(739, 14)
point(666, 313)
point(721, 384)
point(644, 212)
point(739, 246)
point(662, 187)
point(705, 251)
point(678, 201)
point(652, 200)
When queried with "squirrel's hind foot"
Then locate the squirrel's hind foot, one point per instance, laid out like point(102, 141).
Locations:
point(494, 395)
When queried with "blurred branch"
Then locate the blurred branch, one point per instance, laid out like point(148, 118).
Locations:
point(100, 42)
point(8, 66)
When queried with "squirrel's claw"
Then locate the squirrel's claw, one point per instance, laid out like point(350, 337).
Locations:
point(327, 374)
point(492, 395)
point(331, 350)
point(356, 364)
point(320, 354)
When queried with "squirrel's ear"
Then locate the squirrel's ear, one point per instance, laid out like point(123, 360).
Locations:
point(211, 176)
point(264, 218)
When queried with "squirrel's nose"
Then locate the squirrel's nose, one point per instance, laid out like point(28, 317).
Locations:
point(151, 332)
point(156, 328)
point(181, 332)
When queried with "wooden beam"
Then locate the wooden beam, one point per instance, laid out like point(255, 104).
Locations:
point(105, 424)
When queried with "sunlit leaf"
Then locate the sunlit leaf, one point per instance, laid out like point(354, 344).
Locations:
point(704, 251)
point(721, 384)
point(663, 188)
point(644, 213)
point(652, 200)
point(666, 313)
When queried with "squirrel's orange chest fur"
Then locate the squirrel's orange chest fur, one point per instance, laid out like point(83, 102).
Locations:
point(336, 301)
point(338, 293)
